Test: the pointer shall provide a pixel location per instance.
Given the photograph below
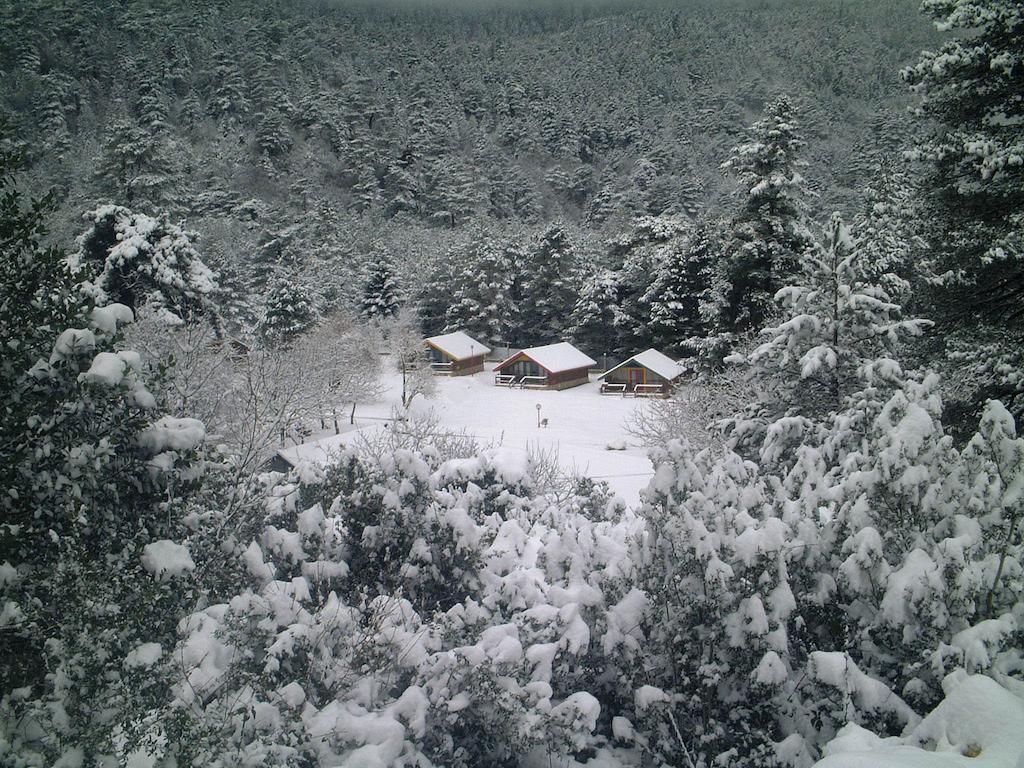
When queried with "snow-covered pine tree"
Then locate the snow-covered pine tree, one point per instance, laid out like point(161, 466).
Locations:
point(272, 136)
point(452, 191)
point(289, 311)
point(52, 113)
point(549, 287)
point(380, 291)
point(834, 320)
point(135, 165)
point(592, 324)
point(638, 254)
point(675, 296)
point(481, 303)
point(608, 200)
point(400, 189)
point(228, 100)
point(769, 232)
point(969, 92)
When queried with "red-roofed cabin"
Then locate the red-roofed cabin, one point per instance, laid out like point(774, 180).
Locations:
point(456, 354)
point(554, 366)
point(648, 373)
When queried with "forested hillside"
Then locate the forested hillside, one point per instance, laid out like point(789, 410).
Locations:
point(264, 503)
point(307, 136)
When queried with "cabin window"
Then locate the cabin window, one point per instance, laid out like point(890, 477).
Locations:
point(522, 368)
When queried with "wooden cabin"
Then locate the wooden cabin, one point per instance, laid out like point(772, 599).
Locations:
point(456, 354)
point(554, 366)
point(649, 373)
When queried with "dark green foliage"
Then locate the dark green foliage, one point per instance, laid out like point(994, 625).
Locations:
point(380, 292)
point(549, 287)
point(289, 311)
point(81, 499)
point(770, 230)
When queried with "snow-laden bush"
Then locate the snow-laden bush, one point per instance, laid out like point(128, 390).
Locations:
point(93, 570)
point(785, 606)
point(398, 615)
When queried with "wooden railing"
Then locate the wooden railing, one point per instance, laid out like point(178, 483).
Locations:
point(647, 390)
point(533, 382)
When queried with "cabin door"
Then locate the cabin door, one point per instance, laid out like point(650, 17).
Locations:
point(636, 376)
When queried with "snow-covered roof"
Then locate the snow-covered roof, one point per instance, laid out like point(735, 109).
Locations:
point(458, 345)
point(555, 358)
point(324, 451)
point(652, 360)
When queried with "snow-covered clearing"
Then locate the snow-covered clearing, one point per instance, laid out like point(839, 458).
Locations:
point(581, 424)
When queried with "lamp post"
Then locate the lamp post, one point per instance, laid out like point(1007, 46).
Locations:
point(538, 415)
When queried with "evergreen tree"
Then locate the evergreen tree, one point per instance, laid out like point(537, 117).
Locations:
point(608, 200)
point(769, 232)
point(678, 289)
point(970, 91)
point(400, 189)
point(835, 320)
point(272, 135)
point(638, 255)
point(380, 291)
point(452, 192)
point(549, 287)
point(289, 312)
point(228, 100)
point(135, 165)
point(481, 303)
point(142, 261)
point(433, 298)
point(592, 324)
point(52, 114)
point(95, 483)
point(974, 193)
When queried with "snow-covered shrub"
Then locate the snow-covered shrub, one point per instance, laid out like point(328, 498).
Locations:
point(93, 568)
point(143, 261)
point(720, 661)
point(930, 553)
point(401, 616)
point(839, 585)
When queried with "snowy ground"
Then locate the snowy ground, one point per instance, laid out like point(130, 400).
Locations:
point(581, 424)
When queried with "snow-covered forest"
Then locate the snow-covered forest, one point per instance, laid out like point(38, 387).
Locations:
point(227, 230)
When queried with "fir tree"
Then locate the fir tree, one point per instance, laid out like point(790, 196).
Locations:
point(481, 304)
point(678, 289)
point(592, 324)
point(380, 291)
point(974, 192)
point(769, 232)
point(970, 90)
point(272, 135)
point(549, 287)
point(135, 164)
point(608, 200)
point(289, 312)
point(835, 321)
